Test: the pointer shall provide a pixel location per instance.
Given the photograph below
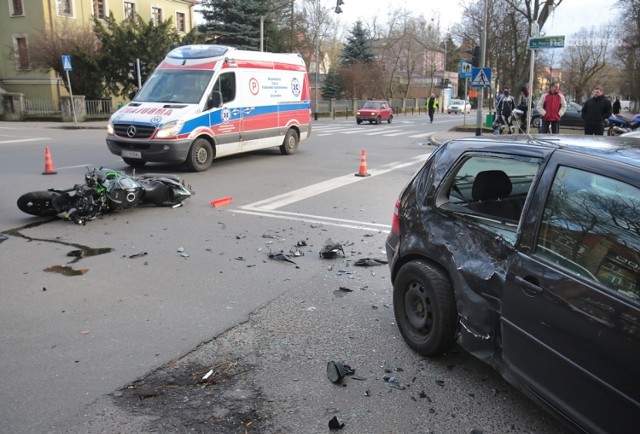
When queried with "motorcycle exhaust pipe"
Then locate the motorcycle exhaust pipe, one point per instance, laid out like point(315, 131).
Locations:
point(131, 197)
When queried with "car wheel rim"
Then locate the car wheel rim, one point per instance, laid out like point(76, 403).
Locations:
point(201, 156)
point(418, 307)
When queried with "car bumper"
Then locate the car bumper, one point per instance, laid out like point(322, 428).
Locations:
point(157, 151)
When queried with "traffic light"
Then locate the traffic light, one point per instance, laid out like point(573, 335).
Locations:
point(143, 68)
point(475, 57)
point(132, 70)
point(338, 8)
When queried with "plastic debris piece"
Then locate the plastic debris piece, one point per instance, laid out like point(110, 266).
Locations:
point(221, 201)
point(369, 262)
point(75, 254)
point(331, 249)
point(180, 249)
point(296, 252)
point(335, 372)
point(280, 257)
point(138, 255)
point(335, 423)
point(208, 374)
point(345, 289)
point(301, 243)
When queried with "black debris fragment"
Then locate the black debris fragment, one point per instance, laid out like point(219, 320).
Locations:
point(345, 289)
point(280, 257)
point(138, 255)
point(75, 253)
point(336, 371)
point(335, 423)
point(296, 252)
point(330, 249)
point(301, 243)
point(369, 262)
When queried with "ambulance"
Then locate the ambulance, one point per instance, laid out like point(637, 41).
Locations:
point(209, 101)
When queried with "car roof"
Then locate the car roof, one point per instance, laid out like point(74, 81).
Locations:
point(623, 149)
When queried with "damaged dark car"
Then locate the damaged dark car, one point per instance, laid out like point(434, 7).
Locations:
point(526, 253)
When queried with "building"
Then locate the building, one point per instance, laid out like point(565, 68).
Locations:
point(24, 20)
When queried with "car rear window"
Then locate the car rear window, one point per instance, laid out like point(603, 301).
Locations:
point(590, 227)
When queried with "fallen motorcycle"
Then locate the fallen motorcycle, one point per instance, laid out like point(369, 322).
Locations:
point(619, 124)
point(105, 190)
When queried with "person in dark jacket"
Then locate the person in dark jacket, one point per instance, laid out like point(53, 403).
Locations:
point(595, 111)
point(616, 106)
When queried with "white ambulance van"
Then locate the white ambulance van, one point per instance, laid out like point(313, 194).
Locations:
point(208, 101)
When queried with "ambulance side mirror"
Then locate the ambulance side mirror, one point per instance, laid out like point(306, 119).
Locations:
point(215, 99)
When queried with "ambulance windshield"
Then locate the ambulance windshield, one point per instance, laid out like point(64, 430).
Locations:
point(175, 86)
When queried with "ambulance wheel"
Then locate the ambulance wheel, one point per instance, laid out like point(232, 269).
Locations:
point(290, 144)
point(200, 155)
point(133, 162)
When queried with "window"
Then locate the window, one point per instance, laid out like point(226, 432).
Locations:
point(129, 10)
point(98, 8)
point(65, 7)
point(226, 85)
point(22, 53)
point(596, 217)
point(156, 16)
point(180, 22)
point(17, 8)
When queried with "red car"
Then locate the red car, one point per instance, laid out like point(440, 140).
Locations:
point(375, 112)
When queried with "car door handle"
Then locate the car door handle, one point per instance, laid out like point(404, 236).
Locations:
point(529, 288)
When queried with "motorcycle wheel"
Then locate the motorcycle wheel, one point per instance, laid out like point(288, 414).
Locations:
point(38, 203)
point(612, 131)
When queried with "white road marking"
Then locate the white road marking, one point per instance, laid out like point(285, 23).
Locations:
point(35, 139)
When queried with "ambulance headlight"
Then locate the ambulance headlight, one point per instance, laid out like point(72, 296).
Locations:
point(110, 128)
point(170, 129)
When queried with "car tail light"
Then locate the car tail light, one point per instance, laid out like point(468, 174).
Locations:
point(395, 219)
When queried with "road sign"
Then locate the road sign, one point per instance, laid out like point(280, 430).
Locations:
point(66, 62)
point(546, 42)
point(465, 69)
point(480, 77)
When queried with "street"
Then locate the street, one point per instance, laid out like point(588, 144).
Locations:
point(171, 294)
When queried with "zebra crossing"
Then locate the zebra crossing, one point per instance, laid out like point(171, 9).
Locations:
point(410, 129)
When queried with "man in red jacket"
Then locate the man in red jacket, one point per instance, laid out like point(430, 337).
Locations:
point(551, 106)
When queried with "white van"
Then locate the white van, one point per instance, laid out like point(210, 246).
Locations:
point(207, 101)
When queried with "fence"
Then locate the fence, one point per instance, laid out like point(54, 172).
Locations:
point(348, 107)
point(93, 109)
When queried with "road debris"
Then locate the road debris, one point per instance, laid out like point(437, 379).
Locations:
point(330, 249)
point(335, 423)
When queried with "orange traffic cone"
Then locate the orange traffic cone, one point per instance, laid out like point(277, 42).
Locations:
point(48, 163)
point(363, 165)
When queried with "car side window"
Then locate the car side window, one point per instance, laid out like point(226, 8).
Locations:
point(226, 85)
point(493, 187)
point(590, 227)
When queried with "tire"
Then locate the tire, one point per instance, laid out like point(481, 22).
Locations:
point(425, 308)
point(290, 144)
point(389, 119)
point(359, 121)
point(536, 122)
point(38, 203)
point(613, 131)
point(133, 163)
point(378, 120)
point(200, 155)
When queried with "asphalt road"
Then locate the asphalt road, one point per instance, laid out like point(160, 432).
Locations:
point(73, 345)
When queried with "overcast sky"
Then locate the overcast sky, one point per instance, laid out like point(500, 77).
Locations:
point(567, 19)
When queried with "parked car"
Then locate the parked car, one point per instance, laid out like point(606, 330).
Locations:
point(375, 112)
point(572, 118)
point(527, 254)
point(459, 106)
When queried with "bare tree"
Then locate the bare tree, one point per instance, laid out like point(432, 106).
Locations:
point(585, 60)
point(628, 51)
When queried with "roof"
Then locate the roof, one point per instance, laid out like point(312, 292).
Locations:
point(622, 149)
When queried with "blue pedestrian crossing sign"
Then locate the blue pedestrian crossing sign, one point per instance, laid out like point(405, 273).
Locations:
point(480, 77)
point(66, 62)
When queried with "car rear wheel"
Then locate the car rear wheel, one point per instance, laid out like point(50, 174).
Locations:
point(425, 308)
point(389, 119)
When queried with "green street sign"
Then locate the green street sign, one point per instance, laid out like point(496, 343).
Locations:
point(546, 42)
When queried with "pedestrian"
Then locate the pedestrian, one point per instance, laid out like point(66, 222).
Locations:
point(524, 106)
point(616, 106)
point(432, 106)
point(595, 111)
point(551, 106)
point(504, 109)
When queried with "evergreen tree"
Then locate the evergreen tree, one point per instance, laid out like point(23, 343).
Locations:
point(331, 87)
point(236, 23)
point(124, 42)
point(358, 46)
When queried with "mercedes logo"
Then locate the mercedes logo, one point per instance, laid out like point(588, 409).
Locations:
point(131, 131)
